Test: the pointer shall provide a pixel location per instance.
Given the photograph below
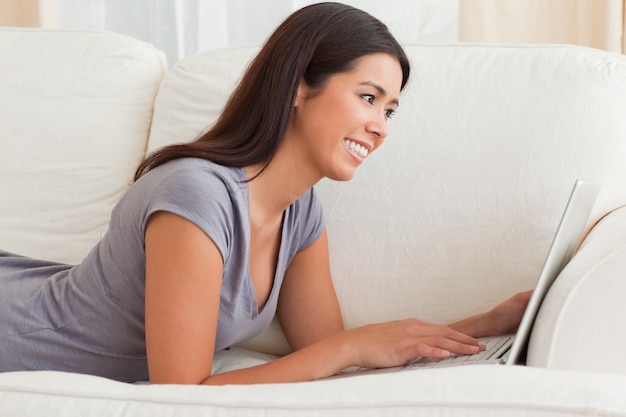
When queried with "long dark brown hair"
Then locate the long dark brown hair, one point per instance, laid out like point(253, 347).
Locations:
point(312, 44)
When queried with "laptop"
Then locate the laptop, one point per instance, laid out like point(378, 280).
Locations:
point(511, 349)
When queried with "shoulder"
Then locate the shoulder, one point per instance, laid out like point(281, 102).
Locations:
point(194, 174)
point(209, 195)
point(193, 183)
point(308, 203)
point(306, 218)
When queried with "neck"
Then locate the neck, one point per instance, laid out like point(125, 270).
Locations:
point(279, 185)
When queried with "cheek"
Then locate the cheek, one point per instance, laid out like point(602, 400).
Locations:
point(336, 115)
point(348, 116)
point(378, 143)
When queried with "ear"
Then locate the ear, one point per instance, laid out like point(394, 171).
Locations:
point(302, 93)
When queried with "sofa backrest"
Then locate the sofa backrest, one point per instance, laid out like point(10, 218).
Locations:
point(457, 210)
point(75, 112)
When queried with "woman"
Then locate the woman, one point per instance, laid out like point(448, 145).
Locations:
point(216, 236)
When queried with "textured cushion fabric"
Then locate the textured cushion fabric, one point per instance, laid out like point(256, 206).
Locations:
point(75, 112)
point(585, 308)
point(194, 92)
point(480, 391)
point(462, 201)
point(457, 210)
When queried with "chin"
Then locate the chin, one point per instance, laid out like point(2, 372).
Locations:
point(346, 175)
point(341, 170)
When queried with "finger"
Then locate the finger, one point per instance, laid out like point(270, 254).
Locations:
point(463, 348)
point(462, 340)
point(439, 346)
point(428, 351)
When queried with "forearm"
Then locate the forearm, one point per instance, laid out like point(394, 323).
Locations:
point(378, 345)
point(475, 326)
point(504, 318)
point(318, 360)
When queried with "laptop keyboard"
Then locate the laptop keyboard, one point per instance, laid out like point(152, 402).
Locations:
point(493, 345)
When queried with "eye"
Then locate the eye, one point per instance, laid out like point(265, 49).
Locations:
point(389, 113)
point(369, 98)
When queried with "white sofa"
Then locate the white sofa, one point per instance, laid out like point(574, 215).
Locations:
point(453, 214)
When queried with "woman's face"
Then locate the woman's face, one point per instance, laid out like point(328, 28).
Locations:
point(336, 128)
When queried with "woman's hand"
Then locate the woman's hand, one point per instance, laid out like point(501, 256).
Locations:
point(506, 316)
point(500, 320)
point(398, 342)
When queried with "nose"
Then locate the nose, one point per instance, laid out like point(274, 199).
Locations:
point(377, 126)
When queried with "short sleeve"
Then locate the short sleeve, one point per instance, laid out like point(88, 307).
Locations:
point(200, 196)
point(310, 219)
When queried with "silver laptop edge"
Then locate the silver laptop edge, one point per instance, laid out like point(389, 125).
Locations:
point(566, 240)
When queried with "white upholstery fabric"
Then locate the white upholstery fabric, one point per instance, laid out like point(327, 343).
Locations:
point(457, 210)
point(585, 310)
point(480, 391)
point(194, 92)
point(75, 112)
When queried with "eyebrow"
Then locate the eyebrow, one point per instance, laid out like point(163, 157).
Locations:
point(381, 91)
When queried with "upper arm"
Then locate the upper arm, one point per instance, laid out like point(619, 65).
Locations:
point(308, 309)
point(183, 281)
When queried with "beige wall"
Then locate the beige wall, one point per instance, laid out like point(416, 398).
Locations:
point(23, 13)
point(594, 23)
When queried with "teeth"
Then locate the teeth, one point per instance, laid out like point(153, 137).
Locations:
point(356, 148)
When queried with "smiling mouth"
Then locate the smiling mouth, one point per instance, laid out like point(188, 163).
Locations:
point(355, 148)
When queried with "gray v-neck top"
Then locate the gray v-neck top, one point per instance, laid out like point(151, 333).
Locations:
point(89, 318)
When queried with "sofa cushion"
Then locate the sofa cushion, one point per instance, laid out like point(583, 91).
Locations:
point(461, 203)
point(75, 112)
point(457, 210)
point(467, 391)
point(194, 92)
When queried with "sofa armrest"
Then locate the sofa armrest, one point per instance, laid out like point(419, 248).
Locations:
point(582, 314)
